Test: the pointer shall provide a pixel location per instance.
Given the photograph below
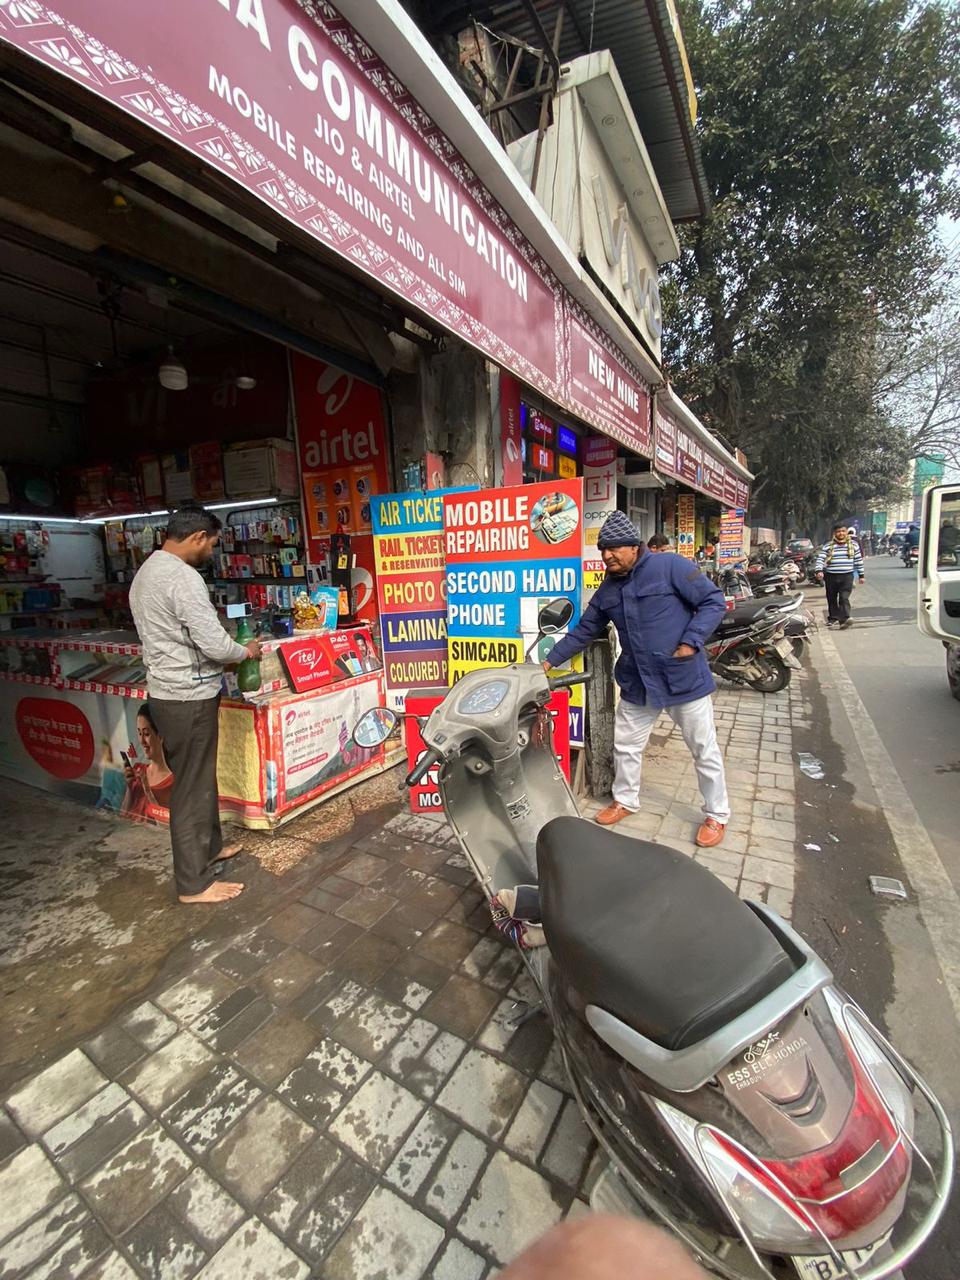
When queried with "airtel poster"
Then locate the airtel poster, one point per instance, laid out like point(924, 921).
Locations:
point(342, 442)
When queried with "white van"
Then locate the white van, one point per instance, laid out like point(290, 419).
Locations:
point(938, 580)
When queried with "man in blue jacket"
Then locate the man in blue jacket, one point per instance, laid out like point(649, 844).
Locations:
point(664, 610)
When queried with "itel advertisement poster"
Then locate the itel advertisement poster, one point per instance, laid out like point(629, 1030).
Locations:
point(411, 591)
point(314, 661)
point(508, 553)
point(343, 461)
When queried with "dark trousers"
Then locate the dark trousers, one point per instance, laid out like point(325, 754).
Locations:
point(839, 586)
point(189, 733)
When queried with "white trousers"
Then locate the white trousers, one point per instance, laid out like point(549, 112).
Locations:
point(631, 732)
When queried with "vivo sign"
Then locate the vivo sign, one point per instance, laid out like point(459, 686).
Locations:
point(638, 283)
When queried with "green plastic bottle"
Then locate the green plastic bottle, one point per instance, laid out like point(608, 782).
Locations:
point(248, 672)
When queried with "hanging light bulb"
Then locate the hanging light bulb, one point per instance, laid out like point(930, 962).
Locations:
point(245, 383)
point(172, 374)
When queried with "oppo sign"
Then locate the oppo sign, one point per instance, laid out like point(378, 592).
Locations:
point(639, 284)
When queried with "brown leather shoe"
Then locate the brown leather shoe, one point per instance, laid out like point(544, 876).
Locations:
point(710, 833)
point(611, 814)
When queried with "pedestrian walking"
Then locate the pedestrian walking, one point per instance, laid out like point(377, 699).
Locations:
point(185, 649)
point(836, 563)
point(664, 610)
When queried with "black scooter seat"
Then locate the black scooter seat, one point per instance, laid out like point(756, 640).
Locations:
point(651, 936)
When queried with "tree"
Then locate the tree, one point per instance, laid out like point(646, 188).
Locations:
point(828, 131)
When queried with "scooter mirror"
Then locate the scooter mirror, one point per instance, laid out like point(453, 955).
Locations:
point(374, 726)
point(554, 615)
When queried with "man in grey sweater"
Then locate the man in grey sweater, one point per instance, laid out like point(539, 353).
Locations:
point(185, 650)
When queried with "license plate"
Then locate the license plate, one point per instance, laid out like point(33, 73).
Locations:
point(785, 649)
point(824, 1268)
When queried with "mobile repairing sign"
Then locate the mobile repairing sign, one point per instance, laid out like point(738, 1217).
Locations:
point(730, 546)
point(686, 524)
point(411, 590)
point(509, 552)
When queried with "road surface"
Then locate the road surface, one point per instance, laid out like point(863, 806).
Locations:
point(901, 677)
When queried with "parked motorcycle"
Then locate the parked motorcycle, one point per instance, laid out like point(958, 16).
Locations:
point(766, 581)
point(738, 1094)
point(749, 647)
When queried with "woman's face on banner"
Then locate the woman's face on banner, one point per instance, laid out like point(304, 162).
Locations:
point(150, 741)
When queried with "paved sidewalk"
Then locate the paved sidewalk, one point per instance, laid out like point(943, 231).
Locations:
point(337, 1092)
point(757, 858)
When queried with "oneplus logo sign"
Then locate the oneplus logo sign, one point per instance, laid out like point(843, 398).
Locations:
point(637, 282)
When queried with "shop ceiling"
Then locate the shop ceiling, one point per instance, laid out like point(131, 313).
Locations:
point(641, 34)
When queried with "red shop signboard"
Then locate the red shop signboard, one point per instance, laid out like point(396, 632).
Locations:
point(315, 661)
point(286, 100)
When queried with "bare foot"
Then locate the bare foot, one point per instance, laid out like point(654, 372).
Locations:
point(218, 891)
point(229, 851)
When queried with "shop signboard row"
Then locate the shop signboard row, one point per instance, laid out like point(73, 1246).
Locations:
point(411, 591)
point(508, 552)
point(678, 453)
point(285, 99)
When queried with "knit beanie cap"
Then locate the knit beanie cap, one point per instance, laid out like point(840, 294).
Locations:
point(618, 531)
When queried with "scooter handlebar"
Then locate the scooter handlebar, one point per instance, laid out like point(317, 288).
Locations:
point(420, 770)
point(567, 682)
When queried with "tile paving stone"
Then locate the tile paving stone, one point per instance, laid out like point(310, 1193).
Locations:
point(527, 1136)
point(482, 957)
point(447, 943)
point(553, 1070)
point(367, 959)
point(75, 1254)
point(762, 828)
point(504, 969)
point(490, 1219)
point(428, 1075)
point(406, 1052)
point(228, 1037)
point(288, 975)
point(223, 1013)
point(238, 964)
point(289, 924)
point(169, 1071)
point(372, 1026)
point(419, 1153)
point(190, 997)
point(113, 1050)
point(112, 1266)
point(203, 1206)
point(323, 901)
point(76, 1125)
point(569, 1148)
point(436, 894)
point(776, 850)
point(338, 885)
point(55, 1092)
point(411, 968)
point(337, 942)
point(11, 1139)
point(530, 1045)
point(483, 1092)
point(781, 900)
point(41, 1236)
point(77, 1161)
point(342, 1196)
point(149, 1025)
point(331, 1009)
point(322, 931)
point(275, 1048)
point(163, 1248)
point(363, 868)
point(259, 1148)
point(423, 857)
point(376, 1120)
point(401, 881)
point(366, 907)
point(387, 1238)
point(28, 1184)
point(301, 1185)
point(211, 1107)
point(456, 1175)
point(460, 1006)
point(255, 1253)
point(767, 871)
point(135, 1178)
point(457, 1262)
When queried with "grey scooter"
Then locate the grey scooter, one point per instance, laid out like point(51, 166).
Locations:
point(741, 1097)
